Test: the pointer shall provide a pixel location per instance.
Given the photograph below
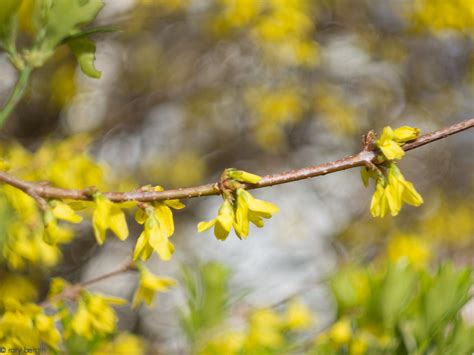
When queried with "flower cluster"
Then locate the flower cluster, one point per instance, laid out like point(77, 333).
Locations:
point(391, 187)
point(239, 208)
point(157, 219)
point(26, 326)
point(391, 141)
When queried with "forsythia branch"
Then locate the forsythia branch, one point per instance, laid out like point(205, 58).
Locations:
point(364, 158)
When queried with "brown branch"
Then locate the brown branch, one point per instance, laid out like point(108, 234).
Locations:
point(365, 157)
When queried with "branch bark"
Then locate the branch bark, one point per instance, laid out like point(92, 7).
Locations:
point(363, 158)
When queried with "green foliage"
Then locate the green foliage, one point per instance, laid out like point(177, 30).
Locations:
point(404, 310)
point(57, 20)
point(207, 298)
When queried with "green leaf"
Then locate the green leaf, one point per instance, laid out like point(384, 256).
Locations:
point(84, 50)
point(62, 19)
point(395, 292)
point(8, 10)
point(445, 296)
point(461, 341)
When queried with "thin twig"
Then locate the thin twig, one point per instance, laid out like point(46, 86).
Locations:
point(73, 291)
point(363, 158)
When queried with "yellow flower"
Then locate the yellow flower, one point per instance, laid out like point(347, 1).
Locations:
point(242, 176)
point(64, 212)
point(108, 215)
point(341, 332)
point(405, 133)
point(222, 223)
point(149, 285)
point(124, 343)
point(358, 346)
point(17, 287)
point(48, 333)
point(93, 317)
point(229, 343)
point(153, 238)
point(389, 147)
point(298, 316)
point(265, 329)
point(410, 249)
point(253, 210)
point(26, 325)
point(25, 247)
point(392, 192)
point(405, 189)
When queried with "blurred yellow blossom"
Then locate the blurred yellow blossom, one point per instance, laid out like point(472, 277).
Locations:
point(62, 85)
point(64, 212)
point(437, 15)
point(25, 247)
point(409, 249)
point(298, 316)
point(148, 285)
point(94, 316)
point(17, 287)
point(341, 332)
point(359, 345)
point(274, 110)
point(265, 329)
point(26, 326)
point(124, 343)
point(229, 343)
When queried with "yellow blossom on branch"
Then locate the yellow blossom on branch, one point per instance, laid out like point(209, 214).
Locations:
point(155, 235)
point(108, 215)
point(222, 223)
point(391, 140)
point(239, 207)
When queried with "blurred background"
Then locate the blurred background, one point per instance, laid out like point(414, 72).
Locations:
point(190, 87)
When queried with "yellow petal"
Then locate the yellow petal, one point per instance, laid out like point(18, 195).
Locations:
point(140, 216)
point(176, 204)
point(161, 244)
point(243, 176)
point(204, 226)
point(118, 223)
point(392, 150)
point(405, 133)
point(241, 223)
point(393, 199)
point(65, 212)
point(141, 243)
point(164, 215)
point(410, 195)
